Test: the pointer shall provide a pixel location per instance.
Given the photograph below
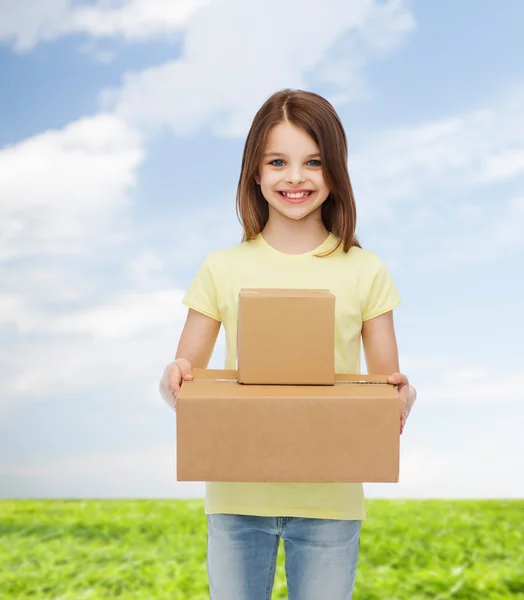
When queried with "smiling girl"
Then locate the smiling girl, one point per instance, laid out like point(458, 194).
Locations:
point(296, 206)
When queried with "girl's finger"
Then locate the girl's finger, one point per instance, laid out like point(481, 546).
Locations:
point(398, 379)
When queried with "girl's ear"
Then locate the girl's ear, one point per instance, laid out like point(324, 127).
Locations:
point(257, 179)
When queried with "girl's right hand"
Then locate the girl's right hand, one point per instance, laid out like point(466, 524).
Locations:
point(174, 374)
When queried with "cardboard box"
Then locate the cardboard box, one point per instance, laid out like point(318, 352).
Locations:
point(348, 432)
point(286, 337)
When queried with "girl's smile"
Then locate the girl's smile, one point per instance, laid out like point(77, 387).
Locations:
point(296, 197)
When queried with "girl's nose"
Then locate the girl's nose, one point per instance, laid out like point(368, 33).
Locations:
point(295, 176)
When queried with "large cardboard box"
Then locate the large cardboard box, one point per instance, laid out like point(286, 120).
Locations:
point(348, 432)
point(286, 337)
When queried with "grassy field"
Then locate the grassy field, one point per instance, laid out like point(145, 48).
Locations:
point(149, 550)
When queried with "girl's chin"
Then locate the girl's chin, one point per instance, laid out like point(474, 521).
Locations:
point(293, 212)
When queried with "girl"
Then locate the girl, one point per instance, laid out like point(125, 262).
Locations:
point(296, 206)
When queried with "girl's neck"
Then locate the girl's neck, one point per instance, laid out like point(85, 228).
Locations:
point(295, 237)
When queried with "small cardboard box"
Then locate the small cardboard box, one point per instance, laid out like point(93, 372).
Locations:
point(348, 432)
point(286, 337)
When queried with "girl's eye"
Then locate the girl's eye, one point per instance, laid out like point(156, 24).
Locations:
point(279, 160)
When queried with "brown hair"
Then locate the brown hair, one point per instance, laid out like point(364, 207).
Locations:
point(317, 117)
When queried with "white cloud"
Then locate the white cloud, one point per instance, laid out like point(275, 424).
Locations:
point(59, 366)
point(119, 347)
point(134, 20)
point(479, 235)
point(474, 472)
point(122, 344)
point(463, 437)
point(144, 266)
point(61, 189)
point(142, 473)
point(25, 23)
point(503, 166)
point(402, 165)
point(125, 315)
point(63, 196)
point(43, 284)
point(477, 386)
point(103, 463)
point(509, 229)
point(228, 64)
point(442, 380)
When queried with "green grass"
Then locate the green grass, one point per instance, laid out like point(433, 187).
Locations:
point(149, 550)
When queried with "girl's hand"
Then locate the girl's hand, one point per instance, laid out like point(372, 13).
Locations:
point(408, 395)
point(174, 374)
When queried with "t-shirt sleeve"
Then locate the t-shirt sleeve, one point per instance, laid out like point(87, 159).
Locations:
point(202, 294)
point(382, 294)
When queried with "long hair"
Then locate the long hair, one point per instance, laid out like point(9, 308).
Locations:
point(316, 117)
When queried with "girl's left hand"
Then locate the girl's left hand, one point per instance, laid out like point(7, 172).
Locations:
point(408, 395)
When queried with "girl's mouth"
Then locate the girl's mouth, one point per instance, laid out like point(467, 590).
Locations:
point(296, 198)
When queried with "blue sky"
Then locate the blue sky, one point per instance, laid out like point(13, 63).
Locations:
point(121, 133)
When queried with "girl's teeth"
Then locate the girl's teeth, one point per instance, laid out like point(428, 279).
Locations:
point(302, 195)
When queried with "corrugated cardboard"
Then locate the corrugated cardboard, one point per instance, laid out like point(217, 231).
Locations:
point(348, 432)
point(286, 337)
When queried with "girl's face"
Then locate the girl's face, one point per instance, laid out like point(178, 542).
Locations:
point(290, 173)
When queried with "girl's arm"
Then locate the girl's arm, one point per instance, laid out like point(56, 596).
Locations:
point(195, 348)
point(198, 339)
point(380, 345)
point(381, 352)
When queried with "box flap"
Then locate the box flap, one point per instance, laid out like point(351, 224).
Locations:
point(283, 293)
point(231, 375)
point(360, 378)
point(215, 374)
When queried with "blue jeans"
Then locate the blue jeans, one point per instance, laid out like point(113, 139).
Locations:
point(321, 557)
